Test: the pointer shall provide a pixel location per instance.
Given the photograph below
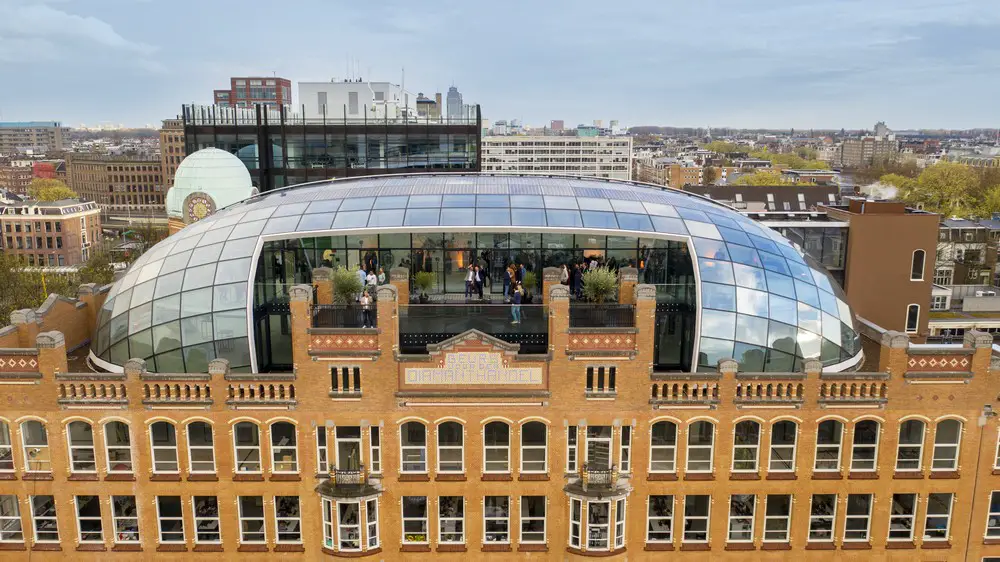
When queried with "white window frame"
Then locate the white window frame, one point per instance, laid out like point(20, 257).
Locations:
point(867, 517)
point(108, 448)
point(754, 447)
point(80, 521)
point(655, 465)
point(371, 524)
point(544, 447)
point(243, 519)
point(154, 448)
point(902, 517)
point(357, 441)
point(504, 519)
point(342, 527)
point(202, 518)
point(11, 528)
point(43, 452)
point(247, 466)
point(946, 516)
point(160, 519)
point(918, 446)
point(707, 518)
point(326, 506)
point(277, 449)
point(487, 448)
point(937, 455)
point(813, 520)
point(119, 522)
point(442, 519)
point(710, 447)
point(573, 449)
point(375, 449)
point(838, 446)
point(592, 543)
point(609, 440)
point(193, 448)
point(621, 513)
point(575, 523)
point(625, 450)
point(425, 520)
point(526, 518)
point(6, 448)
point(939, 302)
point(923, 264)
point(422, 449)
point(650, 519)
point(735, 519)
point(855, 447)
point(279, 519)
point(322, 450)
point(773, 464)
point(787, 518)
point(906, 320)
point(443, 448)
point(36, 519)
point(993, 516)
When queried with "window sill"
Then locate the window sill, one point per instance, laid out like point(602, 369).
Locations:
point(96, 547)
point(47, 547)
point(248, 477)
point(595, 553)
point(165, 478)
point(533, 548)
point(120, 477)
point(495, 548)
point(414, 478)
point(252, 548)
point(83, 477)
point(900, 545)
point(907, 475)
point(991, 541)
point(743, 476)
point(935, 545)
point(532, 477)
point(699, 476)
point(866, 475)
point(451, 548)
point(775, 546)
point(289, 548)
point(12, 546)
point(359, 553)
point(285, 478)
point(781, 476)
point(856, 546)
point(740, 546)
point(8, 476)
point(37, 476)
point(945, 475)
point(127, 548)
point(450, 478)
point(180, 547)
point(696, 547)
point(208, 548)
point(821, 546)
point(203, 477)
point(827, 476)
point(497, 478)
point(659, 547)
point(661, 477)
point(415, 548)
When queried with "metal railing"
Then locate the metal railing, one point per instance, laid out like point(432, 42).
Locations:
point(349, 477)
point(423, 324)
point(610, 315)
point(599, 478)
point(344, 316)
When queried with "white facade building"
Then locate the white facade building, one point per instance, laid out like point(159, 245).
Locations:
point(600, 157)
point(358, 100)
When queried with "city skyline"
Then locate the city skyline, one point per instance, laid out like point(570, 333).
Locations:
point(822, 65)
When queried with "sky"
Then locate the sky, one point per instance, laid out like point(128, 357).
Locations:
point(719, 63)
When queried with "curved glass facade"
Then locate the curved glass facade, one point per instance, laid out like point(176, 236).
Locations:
point(185, 301)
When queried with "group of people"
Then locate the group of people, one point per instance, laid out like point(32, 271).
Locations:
point(572, 277)
point(369, 284)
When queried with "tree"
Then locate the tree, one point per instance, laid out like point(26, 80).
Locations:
point(98, 269)
point(709, 175)
point(946, 187)
point(989, 203)
point(723, 147)
point(44, 189)
point(766, 177)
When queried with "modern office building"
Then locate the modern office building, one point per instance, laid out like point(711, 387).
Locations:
point(449, 432)
point(37, 137)
point(247, 91)
point(50, 233)
point(866, 150)
point(455, 106)
point(171, 149)
point(357, 101)
point(282, 148)
point(600, 157)
point(126, 188)
point(557, 125)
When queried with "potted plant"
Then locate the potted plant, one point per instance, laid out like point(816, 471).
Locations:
point(529, 283)
point(600, 284)
point(346, 286)
point(424, 280)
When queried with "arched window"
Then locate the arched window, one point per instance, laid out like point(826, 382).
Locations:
point(163, 442)
point(534, 457)
point(451, 447)
point(81, 447)
point(496, 443)
point(746, 444)
point(946, 443)
point(917, 266)
point(783, 439)
point(413, 447)
point(201, 447)
point(284, 448)
point(912, 318)
point(663, 447)
point(6, 449)
point(911, 445)
point(35, 440)
point(864, 447)
point(118, 445)
point(246, 443)
point(701, 439)
point(829, 435)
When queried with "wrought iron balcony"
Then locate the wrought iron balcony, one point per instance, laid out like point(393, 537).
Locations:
point(347, 483)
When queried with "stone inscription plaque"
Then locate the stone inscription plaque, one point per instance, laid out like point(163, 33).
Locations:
point(473, 368)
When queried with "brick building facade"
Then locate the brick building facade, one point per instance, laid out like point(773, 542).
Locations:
point(50, 233)
point(125, 187)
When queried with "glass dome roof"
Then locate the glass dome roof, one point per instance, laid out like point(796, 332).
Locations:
point(185, 301)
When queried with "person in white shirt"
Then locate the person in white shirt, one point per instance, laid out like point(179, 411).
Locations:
point(372, 279)
point(470, 279)
point(366, 310)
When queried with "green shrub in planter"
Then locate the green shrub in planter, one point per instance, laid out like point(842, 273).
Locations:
point(346, 286)
point(600, 284)
point(424, 281)
point(529, 283)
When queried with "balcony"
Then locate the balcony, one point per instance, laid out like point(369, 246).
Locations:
point(344, 316)
point(612, 315)
point(423, 324)
point(598, 480)
point(347, 483)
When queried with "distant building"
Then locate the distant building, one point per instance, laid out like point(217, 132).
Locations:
point(600, 157)
point(206, 181)
point(126, 188)
point(356, 100)
point(50, 234)
point(820, 177)
point(49, 169)
point(769, 198)
point(881, 131)
point(669, 171)
point(16, 175)
point(427, 107)
point(171, 149)
point(454, 103)
point(245, 91)
point(38, 137)
point(863, 151)
point(557, 125)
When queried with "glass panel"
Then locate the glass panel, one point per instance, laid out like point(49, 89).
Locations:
point(753, 302)
point(722, 297)
point(197, 329)
point(230, 324)
point(528, 217)
point(596, 219)
point(669, 225)
point(352, 219)
point(751, 329)
point(718, 324)
point(196, 302)
point(629, 221)
point(421, 217)
point(564, 218)
point(230, 296)
point(386, 218)
point(710, 249)
point(198, 277)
